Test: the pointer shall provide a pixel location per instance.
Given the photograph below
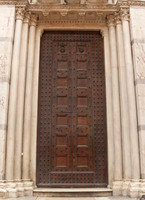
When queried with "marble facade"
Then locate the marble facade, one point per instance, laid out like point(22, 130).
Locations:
point(121, 23)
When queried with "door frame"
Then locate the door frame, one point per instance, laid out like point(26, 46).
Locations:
point(110, 140)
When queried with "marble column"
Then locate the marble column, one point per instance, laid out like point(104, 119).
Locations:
point(116, 101)
point(123, 101)
point(13, 96)
point(35, 106)
point(135, 165)
point(109, 105)
point(20, 99)
point(28, 99)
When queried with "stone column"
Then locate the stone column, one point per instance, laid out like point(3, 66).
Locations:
point(35, 106)
point(28, 99)
point(20, 100)
point(123, 101)
point(108, 79)
point(135, 165)
point(116, 102)
point(13, 97)
point(7, 14)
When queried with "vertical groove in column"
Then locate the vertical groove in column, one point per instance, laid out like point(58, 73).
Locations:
point(135, 165)
point(34, 107)
point(20, 103)
point(116, 102)
point(28, 100)
point(13, 97)
point(109, 106)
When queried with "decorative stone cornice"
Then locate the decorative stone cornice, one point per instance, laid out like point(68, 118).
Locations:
point(20, 13)
point(110, 20)
point(124, 12)
point(27, 17)
point(73, 18)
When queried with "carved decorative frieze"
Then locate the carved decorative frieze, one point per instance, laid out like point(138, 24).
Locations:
point(63, 2)
point(2, 102)
point(83, 1)
point(3, 64)
point(65, 17)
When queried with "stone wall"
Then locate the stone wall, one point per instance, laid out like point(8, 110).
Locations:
point(7, 20)
point(137, 15)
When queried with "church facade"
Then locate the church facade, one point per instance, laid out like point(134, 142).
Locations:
point(72, 97)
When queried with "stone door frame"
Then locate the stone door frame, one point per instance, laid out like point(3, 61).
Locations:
point(110, 139)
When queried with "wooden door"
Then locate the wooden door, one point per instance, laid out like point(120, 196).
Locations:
point(72, 140)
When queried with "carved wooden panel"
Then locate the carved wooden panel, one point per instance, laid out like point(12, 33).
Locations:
point(72, 141)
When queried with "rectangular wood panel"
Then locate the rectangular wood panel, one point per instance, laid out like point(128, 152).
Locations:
point(72, 139)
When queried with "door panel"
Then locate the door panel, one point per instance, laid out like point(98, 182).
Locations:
point(72, 140)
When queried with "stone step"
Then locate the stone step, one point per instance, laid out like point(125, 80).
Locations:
point(72, 192)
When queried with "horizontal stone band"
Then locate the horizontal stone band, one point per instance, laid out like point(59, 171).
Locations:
point(6, 39)
point(137, 41)
point(141, 127)
point(4, 80)
point(3, 126)
point(139, 81)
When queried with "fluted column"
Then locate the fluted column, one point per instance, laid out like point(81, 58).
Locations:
point(13, 97)
point(21, 92)
point(35, 105)
point(116, 102)
point(28, 99)
point(135, 166)
point(108, 79)
point(123, 101)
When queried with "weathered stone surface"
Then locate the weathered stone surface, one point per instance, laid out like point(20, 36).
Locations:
point(138, 46)
point(7, 19)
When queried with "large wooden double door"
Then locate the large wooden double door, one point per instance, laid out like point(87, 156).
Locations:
point(72, 141)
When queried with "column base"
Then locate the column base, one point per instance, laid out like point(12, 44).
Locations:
point(132, 188)
point(17, 188)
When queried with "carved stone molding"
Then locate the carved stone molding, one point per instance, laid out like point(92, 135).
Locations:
point(27, 17)
point(20, 13)
point(104, 32)
point(66, 17)
point(63, 2)
point(124, 12)
point(117, 18)
point(110, 20)
point(33, 20)
point(83, 1)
